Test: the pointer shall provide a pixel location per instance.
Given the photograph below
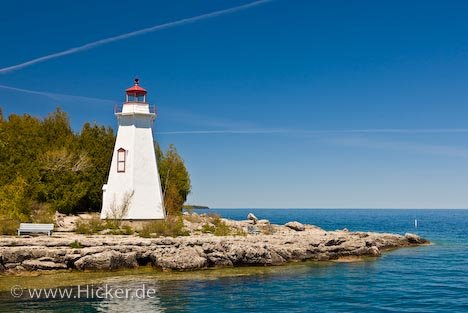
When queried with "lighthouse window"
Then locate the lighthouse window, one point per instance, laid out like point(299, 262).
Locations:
point(121, 155)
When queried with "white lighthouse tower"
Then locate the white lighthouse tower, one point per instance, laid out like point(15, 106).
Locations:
point(133, 189)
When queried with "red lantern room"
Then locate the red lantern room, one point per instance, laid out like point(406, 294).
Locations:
point(136, 93)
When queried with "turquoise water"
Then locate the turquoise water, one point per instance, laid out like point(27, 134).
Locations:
point(424, 279)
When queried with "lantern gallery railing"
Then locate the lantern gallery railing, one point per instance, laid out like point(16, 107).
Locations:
point(135, 108)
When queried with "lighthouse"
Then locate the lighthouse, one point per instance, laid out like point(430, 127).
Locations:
point(133, 189)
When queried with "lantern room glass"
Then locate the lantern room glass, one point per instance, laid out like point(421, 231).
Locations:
point(134, 97)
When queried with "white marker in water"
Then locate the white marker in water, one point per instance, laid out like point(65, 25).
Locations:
point(415, 223)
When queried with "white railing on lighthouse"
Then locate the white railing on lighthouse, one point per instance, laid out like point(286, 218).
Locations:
point(118, 109)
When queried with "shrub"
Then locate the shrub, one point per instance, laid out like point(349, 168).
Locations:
point(173, 226)
point(89, 226)
point(8, 226)
point(208, 229)
point(127, 230)
point(218, 227)
point(222, 229)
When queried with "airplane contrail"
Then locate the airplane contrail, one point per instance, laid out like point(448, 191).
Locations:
point(104, 41)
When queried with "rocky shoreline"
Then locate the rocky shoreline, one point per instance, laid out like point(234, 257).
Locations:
point(69, 251)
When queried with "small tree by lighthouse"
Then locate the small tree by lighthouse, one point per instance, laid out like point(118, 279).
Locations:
point(133, 190)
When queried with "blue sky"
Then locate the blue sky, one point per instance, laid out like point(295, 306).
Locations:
point(288, 103)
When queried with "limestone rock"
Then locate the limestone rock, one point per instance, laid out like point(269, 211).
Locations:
point(252, 217)
point(414, 239)
point(334, 242)
point(374, 251)
point(189, 259)
point(295, 226)
point(32, 265)
point(107, 260)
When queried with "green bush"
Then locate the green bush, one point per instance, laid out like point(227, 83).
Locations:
point(218, 227)
point(8, 226)
point(208, 229)
point(222, 229)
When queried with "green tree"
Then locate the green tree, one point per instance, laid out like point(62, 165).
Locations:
point(98, 142)
point(175, 179)
point(14, 205)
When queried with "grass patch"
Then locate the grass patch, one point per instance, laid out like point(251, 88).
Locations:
point(218, 227)
point(173, 226)
point(90, 226)
point(76, 245)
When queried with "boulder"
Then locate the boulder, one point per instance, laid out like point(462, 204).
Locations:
point(263, 222)
point(252, 217)
point(175, 259)
point(374, 251)
point(65, 223)
point(107, 260)
point(295, 226)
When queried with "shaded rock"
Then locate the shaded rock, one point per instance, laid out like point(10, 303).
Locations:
point(33, 265)
point(218, 259)
point(374, 251)
point(19, 254)
point(11, 265)
point(415, 239)
point(295, 226)
point(334, 242)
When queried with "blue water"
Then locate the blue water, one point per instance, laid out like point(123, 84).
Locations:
point(423, 279)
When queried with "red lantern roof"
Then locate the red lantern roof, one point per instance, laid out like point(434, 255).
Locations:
point(136, 89)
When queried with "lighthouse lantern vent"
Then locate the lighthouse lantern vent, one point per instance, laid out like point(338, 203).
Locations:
point(135, 93)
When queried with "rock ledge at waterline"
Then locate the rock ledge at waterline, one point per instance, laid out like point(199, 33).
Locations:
point(108, 252)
